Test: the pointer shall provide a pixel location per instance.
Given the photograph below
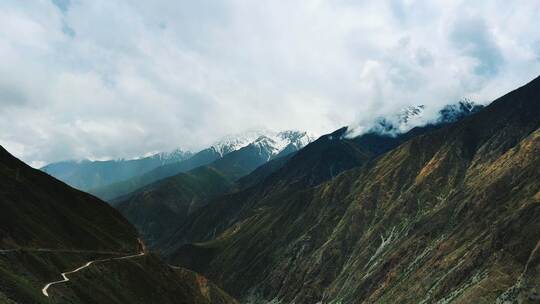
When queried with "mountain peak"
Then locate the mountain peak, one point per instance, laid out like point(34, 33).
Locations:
point(173, 156)
point(274, 142)
point(413, 116)
point(454, 112)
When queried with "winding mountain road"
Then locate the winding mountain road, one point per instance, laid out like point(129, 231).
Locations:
point(66, 279)
point(64, 275)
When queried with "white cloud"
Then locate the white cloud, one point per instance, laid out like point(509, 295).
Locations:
point(117, 78)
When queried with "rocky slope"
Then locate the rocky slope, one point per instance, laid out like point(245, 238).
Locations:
point(319, 161)
point(448, 216)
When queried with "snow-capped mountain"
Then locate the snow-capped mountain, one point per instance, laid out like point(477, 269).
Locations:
point(405, 120)
point(414, 116)
point(172, 156)
point(234, 142)
point(270, 142)
point(456, 111)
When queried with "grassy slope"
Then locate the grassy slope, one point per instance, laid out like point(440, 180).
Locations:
point(448, 216)
point(156, 208)
point(40, 211)
point(142, 280)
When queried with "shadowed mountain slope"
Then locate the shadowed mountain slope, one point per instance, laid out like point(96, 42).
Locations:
point(48, 228)
point(448, 216)
point(40, 211)
point(319, 161)
point(157, 208)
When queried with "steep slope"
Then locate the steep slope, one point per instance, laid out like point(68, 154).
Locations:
point(48, 228)
point(30, 199)
point(157, 208)
point(262, 172)
point(448, 216)
point(163, 285)
point(85, 175)
point(319, 161)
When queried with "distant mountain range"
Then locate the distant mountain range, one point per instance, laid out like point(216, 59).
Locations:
point(251, 149)
point(157, 208)
point(86, 174)
point(412, 210)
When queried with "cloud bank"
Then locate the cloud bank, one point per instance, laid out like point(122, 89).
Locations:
point(110, 78)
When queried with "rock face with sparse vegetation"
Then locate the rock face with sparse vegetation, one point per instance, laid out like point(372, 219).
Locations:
point(448, 215)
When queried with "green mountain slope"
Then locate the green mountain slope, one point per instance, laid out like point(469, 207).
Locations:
point(448, 216)
point(40, 211)
point(157, 208)
point(48, 228)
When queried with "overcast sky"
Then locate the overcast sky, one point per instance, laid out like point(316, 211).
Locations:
point(109, 78)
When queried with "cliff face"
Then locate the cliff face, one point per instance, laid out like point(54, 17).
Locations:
point(448, 216)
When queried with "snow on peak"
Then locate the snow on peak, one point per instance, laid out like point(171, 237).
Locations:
point(269, 142)
point(403, 121)
point(172, 156)
point(456, 111)
point(415, 116)
point(234, 142)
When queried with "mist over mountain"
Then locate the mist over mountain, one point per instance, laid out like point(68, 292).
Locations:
point(416, 116)
point(269, 152)
point(447, 214)
point(415, 210)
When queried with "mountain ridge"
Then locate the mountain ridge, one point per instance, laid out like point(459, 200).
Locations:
point(279, 144)
point(449, 215)
point(52, 234)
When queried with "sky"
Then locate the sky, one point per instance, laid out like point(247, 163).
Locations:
point(102, 79)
